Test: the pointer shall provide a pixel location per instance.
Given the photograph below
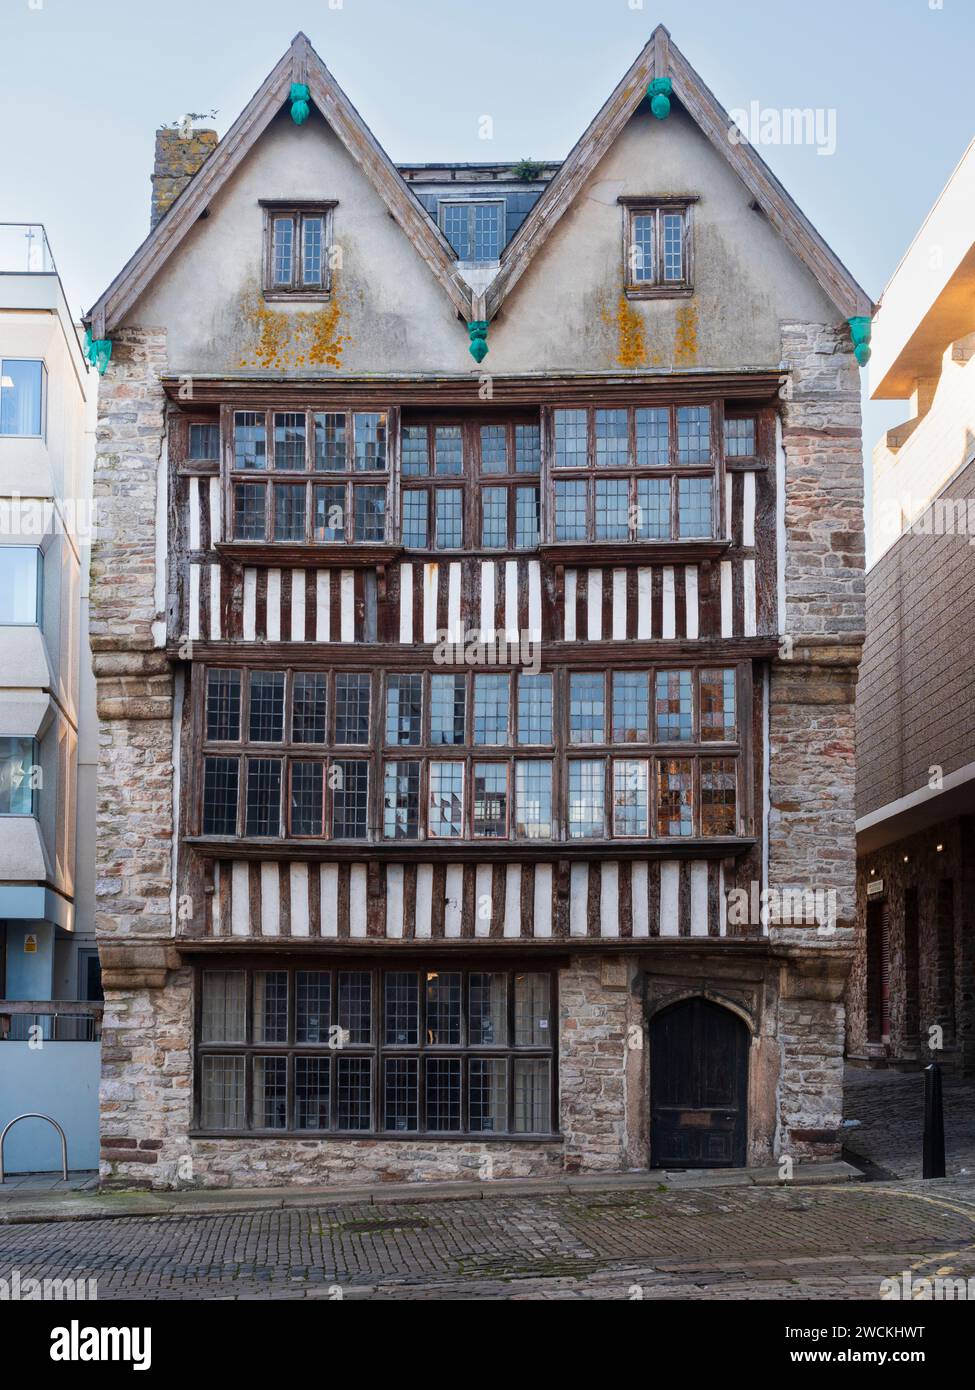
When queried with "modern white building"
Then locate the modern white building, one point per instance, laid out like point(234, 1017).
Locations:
point(49, 976)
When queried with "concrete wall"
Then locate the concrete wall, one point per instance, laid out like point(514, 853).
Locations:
point(907, 477)
point(57, 1079)
point(51, 466)
point(39, 666)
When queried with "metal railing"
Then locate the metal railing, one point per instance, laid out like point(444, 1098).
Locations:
point(25, 250)
point(36, 1115)
point(59, 1020)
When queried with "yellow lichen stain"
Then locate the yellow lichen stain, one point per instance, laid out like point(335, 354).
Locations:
point(272, 330)
point(685, 345)
point(631, 348)
point(288, 340)
point(325, 343)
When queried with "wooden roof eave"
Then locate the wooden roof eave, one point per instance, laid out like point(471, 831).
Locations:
point(409, 214)
point(661, 58)
point(136, 275)
point(785, 215)
point(300, 63)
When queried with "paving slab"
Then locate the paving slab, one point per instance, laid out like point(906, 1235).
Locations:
point(28, 1205)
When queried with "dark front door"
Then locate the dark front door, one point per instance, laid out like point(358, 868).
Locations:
point(698, 1087)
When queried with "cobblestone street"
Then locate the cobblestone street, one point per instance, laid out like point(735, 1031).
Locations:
point(740, 1243)
point(890, 1107)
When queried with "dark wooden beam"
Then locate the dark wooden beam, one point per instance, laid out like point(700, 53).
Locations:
point(638, 388)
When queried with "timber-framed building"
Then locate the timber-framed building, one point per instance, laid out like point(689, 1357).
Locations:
point(474, 721)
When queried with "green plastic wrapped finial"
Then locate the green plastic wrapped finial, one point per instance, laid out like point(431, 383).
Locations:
point(478, 330)
point(300, 98)
point(98, 352)
point(659, 92)
point(860, 329)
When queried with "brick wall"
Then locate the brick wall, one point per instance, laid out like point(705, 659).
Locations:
point(914, 706)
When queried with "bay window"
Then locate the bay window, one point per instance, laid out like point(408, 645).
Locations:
point(23, 397)
point(468, 756)
point(21, 571)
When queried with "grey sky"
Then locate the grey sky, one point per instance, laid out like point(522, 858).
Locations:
point(84, 83)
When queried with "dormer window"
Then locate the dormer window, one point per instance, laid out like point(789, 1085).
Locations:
point(297, 238)
point(475, 229)
point(657, 247)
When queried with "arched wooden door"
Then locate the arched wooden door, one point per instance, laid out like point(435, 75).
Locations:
point(698, 1087)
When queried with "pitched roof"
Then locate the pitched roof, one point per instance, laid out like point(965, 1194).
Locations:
point(660, 58)
point(300, 64)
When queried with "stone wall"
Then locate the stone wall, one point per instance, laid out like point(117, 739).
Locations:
point(145, 1088)
point(177, 159)
point(812, 839)
point(604, 1082)
point(128, 447)
point(134, 816)
point(596, 1008)
point(147, 1054)
point(812, 764)
point(811, 1083)
point(821, 436)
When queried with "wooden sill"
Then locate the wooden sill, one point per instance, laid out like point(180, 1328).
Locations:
point(390, 653)
point(507, 950)
point(659, 291)
point(366, 1136)
point(468, 851)
point(632, 552)
point(337, 554)
point(296, 296)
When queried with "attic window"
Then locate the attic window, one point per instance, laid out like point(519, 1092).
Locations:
point(657, 247)
point(297, 242)
point(476, 230)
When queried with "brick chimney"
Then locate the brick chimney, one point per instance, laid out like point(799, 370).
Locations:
point(178, 156)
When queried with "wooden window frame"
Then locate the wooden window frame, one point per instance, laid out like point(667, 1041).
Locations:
point(298, 211)
point(656, 207)
point(634, 473)
point(431, 482)
point(744, 461)
point(377, 1050)
point(509, 481)
point(349, 478)
point(287, 750)
point(471, 481)
point(470, 204)
point(557, 753)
